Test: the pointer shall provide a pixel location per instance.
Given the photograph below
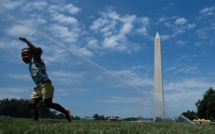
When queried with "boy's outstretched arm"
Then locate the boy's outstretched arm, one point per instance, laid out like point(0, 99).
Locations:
point(32, 47)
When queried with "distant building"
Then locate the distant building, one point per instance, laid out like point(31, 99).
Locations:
point(115, 119)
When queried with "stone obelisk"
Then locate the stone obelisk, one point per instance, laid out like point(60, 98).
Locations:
point(158, 81)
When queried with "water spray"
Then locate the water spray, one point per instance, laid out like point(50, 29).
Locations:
point(187, 119)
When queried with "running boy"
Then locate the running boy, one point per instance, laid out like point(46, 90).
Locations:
point(44, 88)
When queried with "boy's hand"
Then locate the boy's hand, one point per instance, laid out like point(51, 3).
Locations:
point(23, 39)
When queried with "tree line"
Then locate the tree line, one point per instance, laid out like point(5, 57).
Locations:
point(205, 107)
point(20, 108)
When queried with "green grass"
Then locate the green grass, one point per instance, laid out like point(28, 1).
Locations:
point(51, 126)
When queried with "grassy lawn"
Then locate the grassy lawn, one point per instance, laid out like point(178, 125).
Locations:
point(51, 126)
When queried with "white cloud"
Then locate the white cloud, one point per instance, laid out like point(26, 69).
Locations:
point(117, 99)
point(170, 68)
point(165, 37)
point(192, 69)
point(143, 29)
point(127, 24)
point(57, 57)
point(134, 78)
point(202, 33)
point(65, 33)
point(188, 89)
point(189, 26)
point(180, 21)
point(162, 19)
point(72, 9)
point(189, 84)
point(65, 77)
point(110, 13)
point(84, 52)
point(118, 42)
point(40, 20)
point(65, 74)
point(60, 54)
point(64, 19)
point(97, 24)
point(144, 21)
point(181, 42)
point(180, 97)
point(183, 66)
point(20, 76)
point(198, 44)
point(39, 5)
point(179, 26)
point(18, 30)
point(109, 29)
point(11, 45)
point(11, 5)
point(115, 29)
point(53, 9)
point(93, 43)
point(207, 11)
point(15, 92)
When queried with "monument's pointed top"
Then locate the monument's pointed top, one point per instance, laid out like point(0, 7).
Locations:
point(157, 36)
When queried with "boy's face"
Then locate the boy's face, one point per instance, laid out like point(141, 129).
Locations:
point(26, 56)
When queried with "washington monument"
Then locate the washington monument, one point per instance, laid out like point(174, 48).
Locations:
point(158, 81)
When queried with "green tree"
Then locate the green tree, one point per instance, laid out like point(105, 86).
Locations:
point(4, 107)
point(23, 110)
point(43, 110)
point(61, 116)
point(77, 118)
point(101, 117)
point(20, 108)
point(190, 115)
point(14, 107)
point(206, 106)
point(96, 116)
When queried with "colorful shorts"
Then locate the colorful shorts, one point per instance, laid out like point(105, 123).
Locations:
point(44, 91)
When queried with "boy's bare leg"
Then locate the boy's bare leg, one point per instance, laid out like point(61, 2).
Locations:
point(33, 109)
point(68, 115)
point(58, 107)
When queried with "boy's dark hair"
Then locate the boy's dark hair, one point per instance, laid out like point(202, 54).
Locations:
point(38, 50)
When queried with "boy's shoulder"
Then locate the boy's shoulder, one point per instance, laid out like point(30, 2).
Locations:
point(40, 61)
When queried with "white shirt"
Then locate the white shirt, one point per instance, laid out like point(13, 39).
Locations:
point(38, 71)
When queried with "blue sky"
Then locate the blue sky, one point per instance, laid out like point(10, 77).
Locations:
point(100, 54)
